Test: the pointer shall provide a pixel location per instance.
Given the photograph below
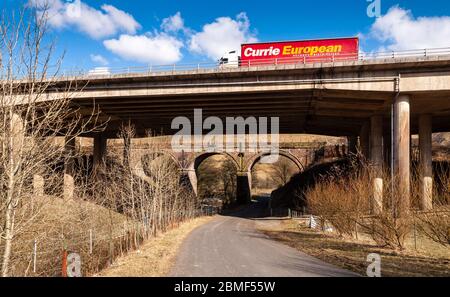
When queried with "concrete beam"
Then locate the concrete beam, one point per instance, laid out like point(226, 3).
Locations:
point(402, 170)
point(426, 169)
point(69, 168)
point(376, 161)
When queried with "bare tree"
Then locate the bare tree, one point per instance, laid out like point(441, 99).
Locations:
point(228, 179)
point(30, 121)
point(282, 171)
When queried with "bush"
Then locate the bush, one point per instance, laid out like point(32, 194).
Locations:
point(345, 201)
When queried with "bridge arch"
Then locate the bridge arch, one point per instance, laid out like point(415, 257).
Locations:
point(197, 160)
point(254, 160)
point(251, 163)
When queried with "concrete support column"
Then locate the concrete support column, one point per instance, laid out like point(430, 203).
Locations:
point(69, 168)
point(402, 156)
point(387, 147)
point(364, 141)
point(243, 190)
point(18, 144)
point(38, 185)
point(17, 131)
point(376, 160)
point(352, 144)
point(426, 162)
point(99, 149)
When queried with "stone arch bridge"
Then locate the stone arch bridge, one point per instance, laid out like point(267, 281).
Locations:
point(302, 155)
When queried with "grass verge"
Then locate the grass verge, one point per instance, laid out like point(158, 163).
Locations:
point(156, 256)
point(351, 254)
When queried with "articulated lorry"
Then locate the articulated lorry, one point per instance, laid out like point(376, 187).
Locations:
point(291, 52)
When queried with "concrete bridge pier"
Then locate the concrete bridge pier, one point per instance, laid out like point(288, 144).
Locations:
point(38, 185)
point(387, 146)
point(18, 135)
point(376, 162)
point(426, 170)
point(364, 141)
point(402, 155)
point(100, 142)
point(243, 188)
point(352, 145)
point(69, 167)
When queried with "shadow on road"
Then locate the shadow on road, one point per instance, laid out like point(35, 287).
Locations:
point(258, 208)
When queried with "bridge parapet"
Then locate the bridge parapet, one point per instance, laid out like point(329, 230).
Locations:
point(388, 57)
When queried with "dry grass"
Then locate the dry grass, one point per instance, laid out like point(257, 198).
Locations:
point(156, 256)
point(430, 259)
point(65, 224)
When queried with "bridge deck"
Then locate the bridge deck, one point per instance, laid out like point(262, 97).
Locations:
point(322, 98)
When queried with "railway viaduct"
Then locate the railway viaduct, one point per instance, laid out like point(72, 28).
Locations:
point(301, 155)
point(378, 102)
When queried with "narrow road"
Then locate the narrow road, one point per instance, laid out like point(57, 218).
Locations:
point(230, 246)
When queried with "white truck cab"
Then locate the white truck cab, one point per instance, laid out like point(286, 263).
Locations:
point(230, 60)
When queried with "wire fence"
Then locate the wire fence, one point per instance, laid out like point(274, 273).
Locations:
point(283, 212)
point(416, 238)
point(106, 72)
point(97, 246)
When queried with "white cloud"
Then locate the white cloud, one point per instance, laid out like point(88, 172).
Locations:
point(99, 59)
point(173, 23)
point(157, 48)
point(400, 30)
point(223, 35)
point(96, 23)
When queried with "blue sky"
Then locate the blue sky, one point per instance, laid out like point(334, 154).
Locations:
point(128, 33)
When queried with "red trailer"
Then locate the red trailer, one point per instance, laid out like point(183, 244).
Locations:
point(305, 51)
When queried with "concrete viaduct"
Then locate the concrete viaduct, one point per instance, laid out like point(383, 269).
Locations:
point(381, 102)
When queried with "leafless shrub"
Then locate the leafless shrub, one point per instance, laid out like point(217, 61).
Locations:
point(228, 179)
point(147, 190)
point(345, 201)
point(283, 171)
point(435, 224)
point(341, 200)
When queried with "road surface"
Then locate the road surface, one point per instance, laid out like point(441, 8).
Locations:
point(230, 246)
